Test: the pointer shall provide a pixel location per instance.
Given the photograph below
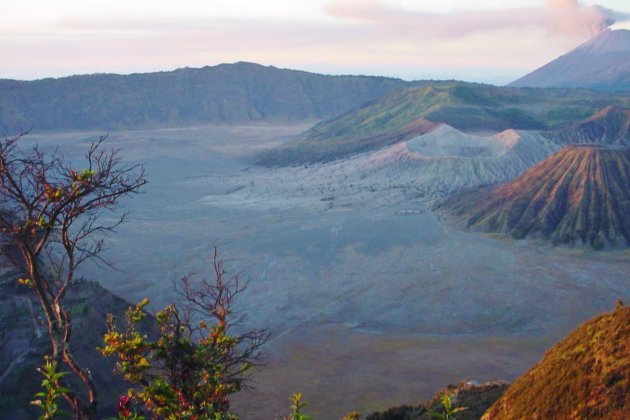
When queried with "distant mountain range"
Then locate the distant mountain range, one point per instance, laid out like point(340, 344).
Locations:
point(579, 195)
point(468, 107)
point(227, 93)
point(245, 92)
point(602, 63)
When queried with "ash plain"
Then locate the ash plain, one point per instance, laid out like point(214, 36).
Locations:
point(372, 299)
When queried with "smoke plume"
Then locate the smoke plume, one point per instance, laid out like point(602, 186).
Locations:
point(569, 18)
point(573, 18)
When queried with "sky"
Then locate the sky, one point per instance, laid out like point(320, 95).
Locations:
point(493, 41)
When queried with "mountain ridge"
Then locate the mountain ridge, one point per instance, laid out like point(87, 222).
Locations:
point(226, 93)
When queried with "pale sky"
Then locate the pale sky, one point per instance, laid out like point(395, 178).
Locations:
point(492, 41)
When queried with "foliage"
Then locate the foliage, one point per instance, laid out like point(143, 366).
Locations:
point(47, 399)
point(297, 404)
point(49, 226)
point(127, 410)
point(193, 366)
point(449, 410)
point(353, 415)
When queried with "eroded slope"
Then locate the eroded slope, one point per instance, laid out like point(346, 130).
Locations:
point(580, 194)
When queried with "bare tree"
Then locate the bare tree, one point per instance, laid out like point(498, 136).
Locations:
point(50, 225)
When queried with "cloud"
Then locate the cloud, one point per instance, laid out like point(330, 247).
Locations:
point(558, 17)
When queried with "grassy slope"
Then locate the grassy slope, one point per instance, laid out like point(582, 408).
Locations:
point(580, 194)
point(587, 375)
point(466, 106)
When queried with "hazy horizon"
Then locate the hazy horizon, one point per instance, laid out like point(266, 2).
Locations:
point(476, 75)
point(482, 41)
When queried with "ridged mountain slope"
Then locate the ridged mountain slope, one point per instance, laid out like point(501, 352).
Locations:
point(585, 376)
point(581, 194)
point(226, 93)
point(602, 63)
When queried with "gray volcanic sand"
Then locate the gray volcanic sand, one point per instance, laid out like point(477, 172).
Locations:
point(371, 299)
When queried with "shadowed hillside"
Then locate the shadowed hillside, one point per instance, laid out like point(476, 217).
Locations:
point(585, 376)
point(24, 342)
point(226, 93)
point(581, 194)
